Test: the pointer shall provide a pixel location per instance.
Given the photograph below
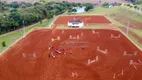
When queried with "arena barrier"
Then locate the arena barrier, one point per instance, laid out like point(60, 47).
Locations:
point(57, 39)
point(114, 36)
point(130, 54)
point(102, 51)
point(29, 55)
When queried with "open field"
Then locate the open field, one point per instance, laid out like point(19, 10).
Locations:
point(29, 58)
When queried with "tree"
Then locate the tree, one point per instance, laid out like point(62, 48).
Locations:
point(15, 19)
point(105, 4)
point(3, 44)
point(74, 10)
point(88, 7)
point(15, 5)
point(135, 7)
point(133, 1)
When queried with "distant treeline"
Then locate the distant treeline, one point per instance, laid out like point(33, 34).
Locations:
point(14, 15)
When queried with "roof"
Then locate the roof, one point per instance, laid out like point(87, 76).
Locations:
point(75, 21)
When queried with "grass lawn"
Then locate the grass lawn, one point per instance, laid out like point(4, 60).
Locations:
point(11, 38)
point(131, 13)
point(48, 0)
point(131, 37)
point(102, 10)
point(137, 32)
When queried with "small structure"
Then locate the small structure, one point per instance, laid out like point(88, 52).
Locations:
point(75, 23)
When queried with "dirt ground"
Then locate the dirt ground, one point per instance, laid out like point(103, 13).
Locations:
point(111, 65)
point(90, 19)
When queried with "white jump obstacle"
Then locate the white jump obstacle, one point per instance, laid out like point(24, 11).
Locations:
point(97, 58)
point(29, 55)
point(78, 37)
point(131, 62)
point(52, 55)
point(128, 54)
point(103, 51)
point(34, 55)
point(65, 54)
point(122, 72)
point(82, 34)
point(24, 55)
point(50, 47)
point(92, 61)
point(57, 39)
point(140, 61)
point(94, 32)
point(114, 36)
point(63, 31)
point(75, 38)
point(114, 76)
point(58, 51)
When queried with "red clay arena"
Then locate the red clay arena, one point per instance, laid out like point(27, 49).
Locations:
point(79, 54)
point(89, 19)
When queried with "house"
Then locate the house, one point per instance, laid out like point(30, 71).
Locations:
point(75, 23)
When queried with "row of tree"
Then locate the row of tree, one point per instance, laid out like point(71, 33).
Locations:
point(14, 15)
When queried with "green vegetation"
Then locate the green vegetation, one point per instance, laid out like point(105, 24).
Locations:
point(13, 16)
point(88, 7)
point(105, 4)
point(74, 10)
point(3, 44)
point(135, 7)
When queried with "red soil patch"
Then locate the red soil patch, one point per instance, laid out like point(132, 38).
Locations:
point(63, 20)
point(13, 66)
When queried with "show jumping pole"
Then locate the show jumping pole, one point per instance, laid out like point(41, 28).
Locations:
point(128, 28)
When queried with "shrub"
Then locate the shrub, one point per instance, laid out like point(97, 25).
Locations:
point(135, 7)
point(3, 44)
